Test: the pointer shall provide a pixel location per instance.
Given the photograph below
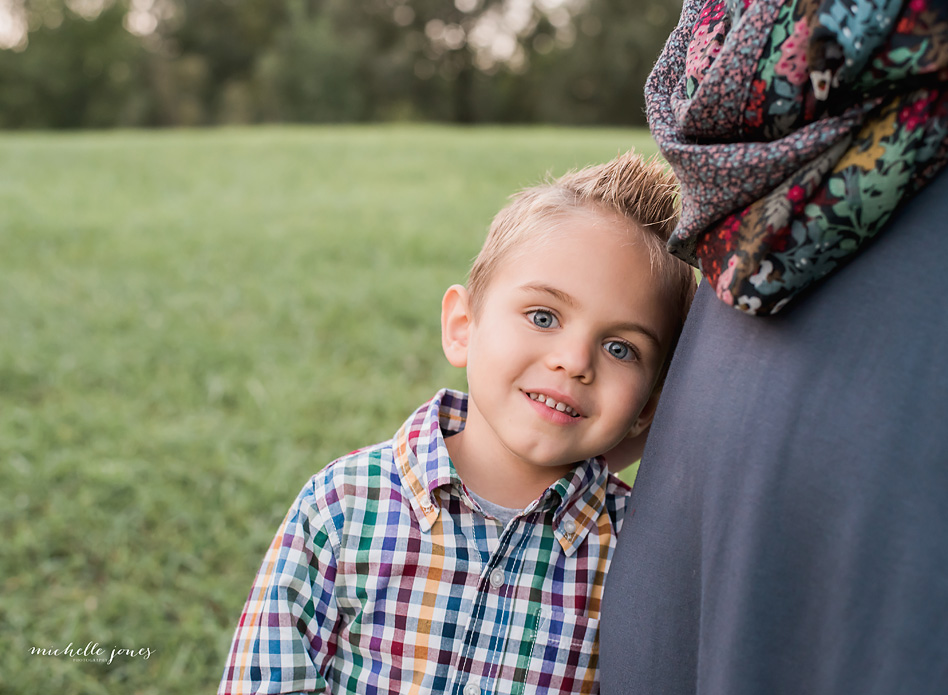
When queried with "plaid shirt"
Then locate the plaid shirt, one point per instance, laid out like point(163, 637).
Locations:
point(387, 577)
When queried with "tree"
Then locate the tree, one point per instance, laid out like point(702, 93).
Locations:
point(317, 68)
point(597, 74)
point(76, 72)
point(192, 62)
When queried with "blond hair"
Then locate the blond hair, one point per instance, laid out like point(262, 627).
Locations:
point(643, 192)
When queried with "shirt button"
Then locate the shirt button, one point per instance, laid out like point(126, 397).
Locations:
point(569, 527)
point(472, 689)
point(496, 581)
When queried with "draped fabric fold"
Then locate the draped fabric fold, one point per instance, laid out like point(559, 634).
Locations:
point(796, 128)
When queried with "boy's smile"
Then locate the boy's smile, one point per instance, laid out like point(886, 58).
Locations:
point(550, 403)
point(562, 356)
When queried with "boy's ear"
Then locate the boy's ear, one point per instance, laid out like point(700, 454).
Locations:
point(647, 414)
point(630, 449)
point(456, 320)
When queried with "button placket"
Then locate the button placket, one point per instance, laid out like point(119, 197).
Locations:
point(495, 589)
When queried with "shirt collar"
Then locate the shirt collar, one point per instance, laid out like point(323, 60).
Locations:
point(582, 499)
point(421, 455)
point(577, 500)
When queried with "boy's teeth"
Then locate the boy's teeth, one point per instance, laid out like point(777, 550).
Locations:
point(550, 403)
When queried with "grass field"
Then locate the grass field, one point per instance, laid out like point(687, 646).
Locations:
point(192, 324)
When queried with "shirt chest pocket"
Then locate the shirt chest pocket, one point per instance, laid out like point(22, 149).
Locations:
point(559, 653)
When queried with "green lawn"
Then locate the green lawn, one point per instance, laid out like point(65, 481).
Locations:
point(193, 323)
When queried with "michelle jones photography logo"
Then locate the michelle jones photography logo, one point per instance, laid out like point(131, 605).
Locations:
point(93, 651)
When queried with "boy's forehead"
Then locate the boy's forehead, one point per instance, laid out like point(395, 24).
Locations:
point(592, 260)
point(581, 223)
point(576, 254)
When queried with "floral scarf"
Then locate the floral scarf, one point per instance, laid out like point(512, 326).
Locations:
point(796, 128)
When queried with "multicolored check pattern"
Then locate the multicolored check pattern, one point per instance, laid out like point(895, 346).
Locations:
point(386, 577)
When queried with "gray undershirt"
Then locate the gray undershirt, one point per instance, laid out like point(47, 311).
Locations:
point(503, 514)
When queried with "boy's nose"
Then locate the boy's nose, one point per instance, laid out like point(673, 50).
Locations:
point(574, 356)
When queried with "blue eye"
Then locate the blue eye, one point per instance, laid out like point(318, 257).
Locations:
point(542, 318)
point(619, 350)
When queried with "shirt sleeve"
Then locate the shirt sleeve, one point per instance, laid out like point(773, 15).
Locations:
point(285, 638)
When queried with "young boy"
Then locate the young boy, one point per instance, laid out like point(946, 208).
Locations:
point(467, 554)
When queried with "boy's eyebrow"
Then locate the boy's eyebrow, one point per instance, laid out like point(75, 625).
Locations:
point(639, 328)
point(569, 301)
point(558, 294)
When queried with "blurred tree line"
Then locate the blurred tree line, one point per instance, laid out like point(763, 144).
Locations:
point(107, 63)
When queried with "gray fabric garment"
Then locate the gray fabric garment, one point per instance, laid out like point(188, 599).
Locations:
point(503, 514)
point(788, 531)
